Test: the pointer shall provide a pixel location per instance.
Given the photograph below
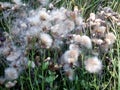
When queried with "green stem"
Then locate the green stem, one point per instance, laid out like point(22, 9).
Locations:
point(118, 64)
point(43, 80)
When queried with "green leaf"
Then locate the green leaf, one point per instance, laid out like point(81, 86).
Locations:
point(45, 65)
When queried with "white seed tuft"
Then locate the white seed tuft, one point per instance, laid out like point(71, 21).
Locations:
point(93, 65)
point(86, 42)
point(11, 73)
point(111, 37)
point(70, 56)
point(46, 40)
point(13, 56)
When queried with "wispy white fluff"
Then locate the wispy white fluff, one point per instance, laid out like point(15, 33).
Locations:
point(18, 2)
point(58, 15)
point(58, 30)
point(36, 16)
point(13, 56)
point(11, 73)
point(97, 41)
point(76, 38)
point(79, 21)
point(33, 32)
point(110, 37)
point(100, 29)
point(69, 25)
point(6, 51)
point(93, 65)
point(44, 15)
point(73, 47)
point(46, 40)
point(86, 42)
point(34, 20)
point(70, 56)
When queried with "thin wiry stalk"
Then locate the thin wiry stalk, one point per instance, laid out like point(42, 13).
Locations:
point(118, 58)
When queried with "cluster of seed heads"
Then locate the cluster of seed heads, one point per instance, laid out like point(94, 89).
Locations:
point(53, 29)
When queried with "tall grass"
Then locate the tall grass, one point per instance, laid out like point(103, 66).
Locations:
point(42, 78)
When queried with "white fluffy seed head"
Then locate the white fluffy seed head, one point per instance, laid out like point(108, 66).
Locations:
point(76, 38)
point(86, 42)
point(108, 42)
point(13, 56)
point(100, 29)
point(46, 40)
point(97, 41)
point(11, 73)
point(58, 15)
point(79, 21)
point(44, 15)
point(93, 65)
point(111, 37)
point(69, 25)
point(6, 51)
point(32, 33)
point(73, 47)
point(34, 18)
point(70, 56)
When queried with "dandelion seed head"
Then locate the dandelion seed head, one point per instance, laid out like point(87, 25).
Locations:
point(58, 30)
point(44, 15)
point(100, 29)
point(69, 25)
point(70, 56)
point(79, 21)
point(86, 41)
point(11, 73)
point(111, 37)
point(13, 56)
point(35, 18)
point(97, 41)
point(6, 51)
point(93, 65)
point(46, 40)
point(77, 38)
point(73, 47)
point(57, 16)
point(108, 42)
